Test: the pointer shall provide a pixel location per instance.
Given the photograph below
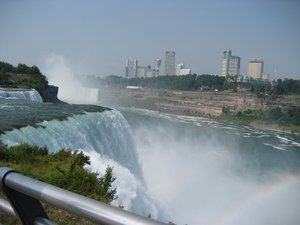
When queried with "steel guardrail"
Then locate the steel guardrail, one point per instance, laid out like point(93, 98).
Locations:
point(25, 193)
point(6, 207)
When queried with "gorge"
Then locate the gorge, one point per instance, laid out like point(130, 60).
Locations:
point(177, 168)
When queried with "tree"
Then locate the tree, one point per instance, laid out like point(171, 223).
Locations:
point(279, 88)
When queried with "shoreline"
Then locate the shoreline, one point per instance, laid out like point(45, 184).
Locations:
point(222, 106)
point(257, 124)
point(265, 126)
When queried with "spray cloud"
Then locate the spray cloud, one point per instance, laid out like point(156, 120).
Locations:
point(59, 73)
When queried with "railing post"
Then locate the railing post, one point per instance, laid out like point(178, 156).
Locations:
point(26, 208)
point(6, 207)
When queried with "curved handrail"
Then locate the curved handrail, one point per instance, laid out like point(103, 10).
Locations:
point(16, 186)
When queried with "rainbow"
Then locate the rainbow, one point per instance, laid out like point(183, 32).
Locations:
point(261, 194)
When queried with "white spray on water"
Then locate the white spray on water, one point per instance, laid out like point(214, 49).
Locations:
point(104, 136)
point(198, 177)
point(30, 95)
point(59, 73)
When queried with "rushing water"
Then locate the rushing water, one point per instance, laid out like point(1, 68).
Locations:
point(25, 94)
point(197, 170)
point(206, 172)
point(103, 135)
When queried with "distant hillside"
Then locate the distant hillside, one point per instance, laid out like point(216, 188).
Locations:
point(261, 88)
point(22, 76)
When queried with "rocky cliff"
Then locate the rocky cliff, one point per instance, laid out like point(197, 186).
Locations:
point(198, 103)
point(49, 94)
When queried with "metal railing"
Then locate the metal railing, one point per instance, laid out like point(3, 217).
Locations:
point(24, 195)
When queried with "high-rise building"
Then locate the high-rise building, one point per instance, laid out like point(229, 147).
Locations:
point(231, 64)
point(256, 68)
point(131, 68)
point(170, 63)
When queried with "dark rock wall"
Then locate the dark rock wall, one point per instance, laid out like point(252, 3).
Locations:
point(49, 94)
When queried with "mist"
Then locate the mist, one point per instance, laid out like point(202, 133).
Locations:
point(202, 172)
point(59, 73)
point(200, 175)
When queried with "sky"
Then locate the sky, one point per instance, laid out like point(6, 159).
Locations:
point(98, 36)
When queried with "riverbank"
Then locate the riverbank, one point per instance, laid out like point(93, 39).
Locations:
point(242, 108)
point(277, 119)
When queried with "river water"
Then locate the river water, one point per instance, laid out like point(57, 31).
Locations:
point(205, 172)
point(183, 169)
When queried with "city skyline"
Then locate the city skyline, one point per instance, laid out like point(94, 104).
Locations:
point(96, 37)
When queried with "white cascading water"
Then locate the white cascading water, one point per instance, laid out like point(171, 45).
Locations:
point(106, 137)
point(30, 95)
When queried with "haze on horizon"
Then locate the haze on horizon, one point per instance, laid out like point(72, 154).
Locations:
point(96, 37)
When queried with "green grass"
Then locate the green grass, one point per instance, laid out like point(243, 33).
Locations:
point(244, 118)
point(64, 169)
point(288, 119)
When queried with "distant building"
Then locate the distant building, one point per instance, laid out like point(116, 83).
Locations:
point(179, 67)
point(131, 68)
point(141, 70)
point(170, 63)
point(145, 71)
point(185, 72)
point(231, 64)
point(242, 79)
point(265, 76)
point(256, 68)
point(157, 64)
point(134, 87)
point(181, 70)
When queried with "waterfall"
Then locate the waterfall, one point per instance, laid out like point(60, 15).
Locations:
point(25, 94)
point(106, 137)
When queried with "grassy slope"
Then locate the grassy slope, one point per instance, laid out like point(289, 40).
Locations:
point(283, 119)
point(64, 169)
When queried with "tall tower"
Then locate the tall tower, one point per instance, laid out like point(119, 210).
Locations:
point(131, 68)
point(230, 64)
point(255, 68)
point(157, 64)
point(170, 63)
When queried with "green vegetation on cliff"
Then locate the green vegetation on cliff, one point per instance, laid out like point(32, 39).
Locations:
point(287, 119)
point(64, 169)
point(203, 82)
point(22, 76)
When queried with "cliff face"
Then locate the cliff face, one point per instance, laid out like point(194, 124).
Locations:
point(49, 94)
point(198, 103)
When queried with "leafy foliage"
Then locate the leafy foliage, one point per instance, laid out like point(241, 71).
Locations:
point(279, 87)
point(22, 153)
point(203, 82)
point(287, 118)
point(187, 82)
point(64, 169)
point(22, 76)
